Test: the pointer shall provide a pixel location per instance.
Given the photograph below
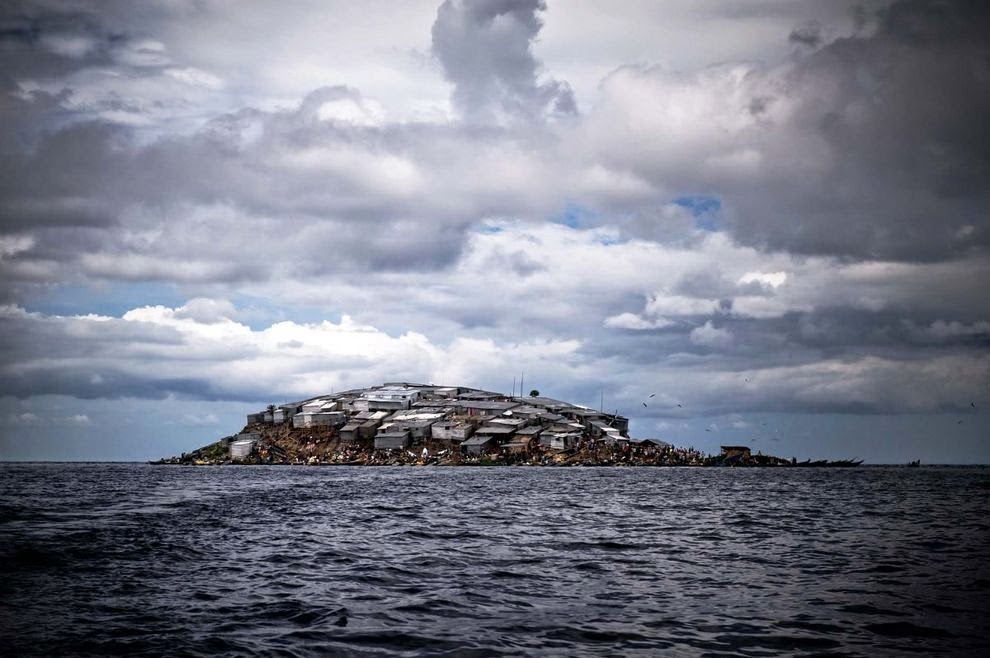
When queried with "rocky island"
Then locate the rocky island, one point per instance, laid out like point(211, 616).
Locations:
point(403, 423)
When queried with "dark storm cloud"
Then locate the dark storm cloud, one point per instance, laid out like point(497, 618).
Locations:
point(866, 147)
point(768, 366)
point(485, 48)
point(253, 184)
point(809, 34)
point(46, 40)
point(30, 345)
point(112, 385)
point(35, 41)
point(906, 170)
point(797, 337)
point(90, 175)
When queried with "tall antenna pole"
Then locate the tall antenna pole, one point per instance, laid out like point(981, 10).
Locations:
point(522, 378)
point(513, 387)
point(601, 407)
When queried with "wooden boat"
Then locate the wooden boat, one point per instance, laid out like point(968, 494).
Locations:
point(824, 463)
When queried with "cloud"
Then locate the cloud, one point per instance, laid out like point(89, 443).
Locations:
point(485, 49)
point(808, 34)
point(160, 353)
point(860, 98)
point(812, 155)
point(708, 335)
point(942, 331)
point(26, 418)
point(771, 279)
point(666, 304)
point(635, 322)
point(157, 352)
point(70, 45)
point(207, 311)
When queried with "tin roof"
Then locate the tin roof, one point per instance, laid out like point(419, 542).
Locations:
point(495, 429)
point(489, 405)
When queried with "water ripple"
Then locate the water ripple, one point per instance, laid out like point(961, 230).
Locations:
point(109, 559)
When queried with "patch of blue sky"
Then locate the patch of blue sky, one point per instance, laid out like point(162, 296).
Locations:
point(609, 239)
point(111, 299)
point(259, 313)
point(576, 215)
point(705, 208)
point(116, 299)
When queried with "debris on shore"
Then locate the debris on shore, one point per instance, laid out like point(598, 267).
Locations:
point(418, 424)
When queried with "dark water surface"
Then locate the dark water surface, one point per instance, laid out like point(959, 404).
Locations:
point(136, 559)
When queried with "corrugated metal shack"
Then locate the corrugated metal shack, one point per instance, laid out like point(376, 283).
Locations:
point(319, 419)
point(496, 431)
point(519, 444)
point(349, 433)
point(392, 439)
point(288, 411)
point(475, 394)
point(484, 407)
point(513, 422)
point(391, 399)
point(478, 445)
point(453, 430)
point(532, 431)
point(559, 440)
point(547, 403)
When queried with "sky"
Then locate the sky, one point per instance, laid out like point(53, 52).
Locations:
point(735, 221)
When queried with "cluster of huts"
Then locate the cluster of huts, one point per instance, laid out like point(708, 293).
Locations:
point(398, 415)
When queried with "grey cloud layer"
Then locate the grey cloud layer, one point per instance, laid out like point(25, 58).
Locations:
point(864, 148)
point(159, 352)
point(808, 339)
point(905, 168)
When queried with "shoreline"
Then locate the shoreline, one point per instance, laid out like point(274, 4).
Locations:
point(543, 461)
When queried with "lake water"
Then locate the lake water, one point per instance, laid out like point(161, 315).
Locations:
point(295, 561)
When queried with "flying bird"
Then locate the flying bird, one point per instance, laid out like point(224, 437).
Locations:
point(652, 394)
point(972, 404)
point(644, 404)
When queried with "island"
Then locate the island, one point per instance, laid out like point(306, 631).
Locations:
point(399, 423)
